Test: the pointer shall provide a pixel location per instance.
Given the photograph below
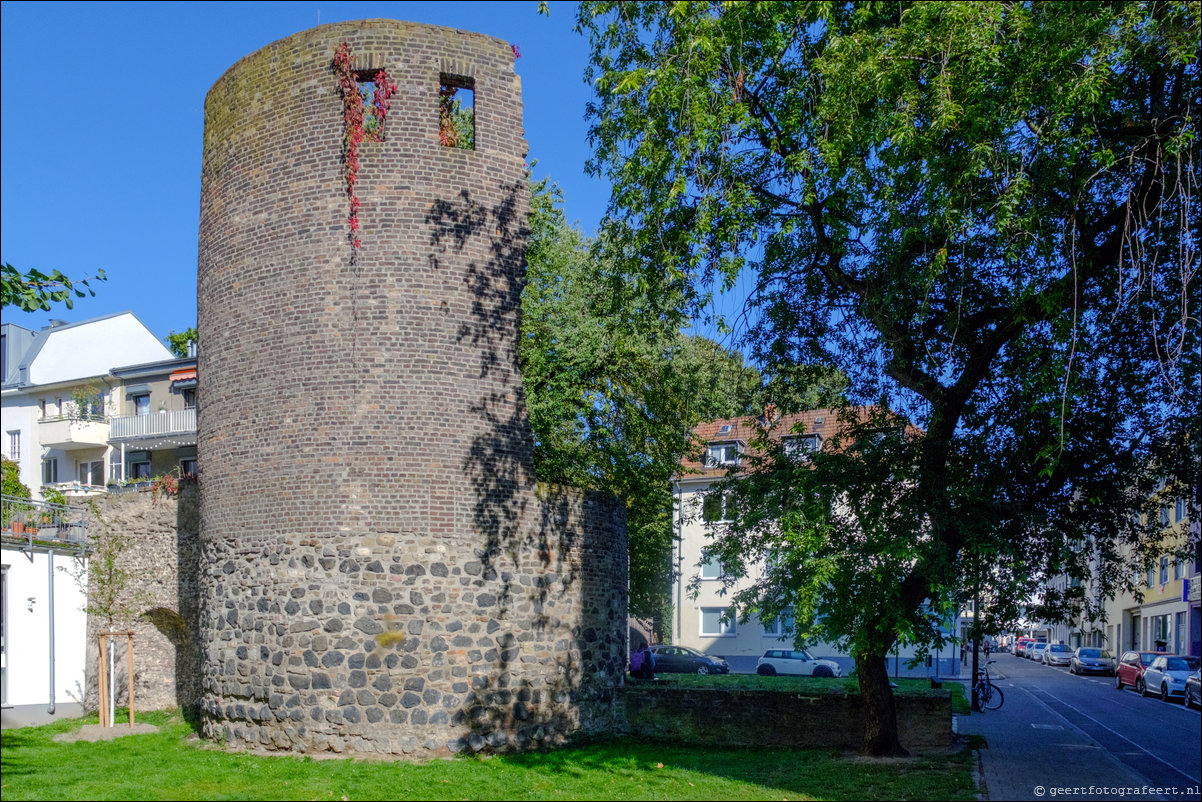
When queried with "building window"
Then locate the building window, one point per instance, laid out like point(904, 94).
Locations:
point(14, 445)
point(50, 471)
point(1164, 570)
point(800, 448)
point(714, 623)
point(1181, 509)
point(41, 407)
point(189, 395)
point(715, 507)
point(711, 568)
point(141, 404)
point(780, 627)
point(1160, 632)
point(719, 454)
point(91, 473)
point(1178, 568)
point(138, 466)
point(1164, 514)
point(188, 467)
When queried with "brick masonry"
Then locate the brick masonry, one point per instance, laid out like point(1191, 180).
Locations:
point(379, 572)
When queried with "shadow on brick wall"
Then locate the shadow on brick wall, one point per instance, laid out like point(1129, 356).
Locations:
point(560, 643)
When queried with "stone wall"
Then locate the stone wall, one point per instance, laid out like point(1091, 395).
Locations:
point(161, 560)
point(380, 572)
point(718, 717)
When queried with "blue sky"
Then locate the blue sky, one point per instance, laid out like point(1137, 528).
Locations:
point(103, 109)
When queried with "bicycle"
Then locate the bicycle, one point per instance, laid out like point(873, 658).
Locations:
point(988, 695)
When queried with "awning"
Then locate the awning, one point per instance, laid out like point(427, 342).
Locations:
point(183, 379)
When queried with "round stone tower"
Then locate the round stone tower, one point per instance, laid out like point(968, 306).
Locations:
point(380, 571)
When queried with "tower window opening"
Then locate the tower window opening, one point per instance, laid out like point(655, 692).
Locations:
point(457, 112)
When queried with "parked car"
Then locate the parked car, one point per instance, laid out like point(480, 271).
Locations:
point(1089, 660)
point(1020, 646)
point(683, 660)
point(1035, 651)
point(1131, 667)
point(795, 662)
point(1193, 690)
point(1166, 676)
point(1057, 654)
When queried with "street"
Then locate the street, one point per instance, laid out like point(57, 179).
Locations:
point(1064, 735)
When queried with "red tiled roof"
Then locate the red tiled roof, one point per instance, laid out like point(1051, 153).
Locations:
point(823, 422)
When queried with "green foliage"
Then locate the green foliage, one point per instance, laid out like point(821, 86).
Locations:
point(178, 343)
point(10, 476)
point(52, 496)
point(37, 290)
point(612, 389)
point(981, 216)
point(86, 401)
point(11, 486)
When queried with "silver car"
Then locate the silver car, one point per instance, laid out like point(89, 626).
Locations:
point(1166, 676)
point(1091, 660)
point(1057, 654)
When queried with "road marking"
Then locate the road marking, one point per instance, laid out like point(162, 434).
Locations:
point(1138, 749)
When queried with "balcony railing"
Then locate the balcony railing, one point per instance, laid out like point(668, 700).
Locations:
point(41, 521)
point(159, 424)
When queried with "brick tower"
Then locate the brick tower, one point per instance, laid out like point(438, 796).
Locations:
point(380, 571)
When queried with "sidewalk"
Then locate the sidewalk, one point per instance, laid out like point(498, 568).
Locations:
point(1032, 753)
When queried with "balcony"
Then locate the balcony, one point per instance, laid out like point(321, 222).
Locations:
point(68, 433)
point(32, 521)
point(179, 423)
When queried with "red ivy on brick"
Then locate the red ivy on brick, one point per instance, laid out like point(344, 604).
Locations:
point(360, 124)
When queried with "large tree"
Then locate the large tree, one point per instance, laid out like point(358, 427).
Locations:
point(982, 215)
point(612, 387)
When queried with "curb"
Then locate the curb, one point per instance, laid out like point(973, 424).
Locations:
point(978, 770)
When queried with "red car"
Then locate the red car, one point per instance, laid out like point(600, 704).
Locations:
point(1131, 667)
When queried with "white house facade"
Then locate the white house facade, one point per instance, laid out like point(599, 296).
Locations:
point(58, 394)
point(703, 621)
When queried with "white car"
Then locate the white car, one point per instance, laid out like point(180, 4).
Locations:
point(795, 663)
point(1166, 676)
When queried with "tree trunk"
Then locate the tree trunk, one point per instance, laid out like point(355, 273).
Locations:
point(880, 712)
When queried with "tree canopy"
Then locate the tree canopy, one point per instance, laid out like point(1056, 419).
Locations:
point(37, 290)
point(981, 215)
point(613, 389)
point(179, 343)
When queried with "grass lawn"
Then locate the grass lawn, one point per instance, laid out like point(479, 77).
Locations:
point(174, 764)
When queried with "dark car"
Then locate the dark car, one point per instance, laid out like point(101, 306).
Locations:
point(1089, 660)
point(1131, 667)
point(1193, 690)
point(683, 660)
